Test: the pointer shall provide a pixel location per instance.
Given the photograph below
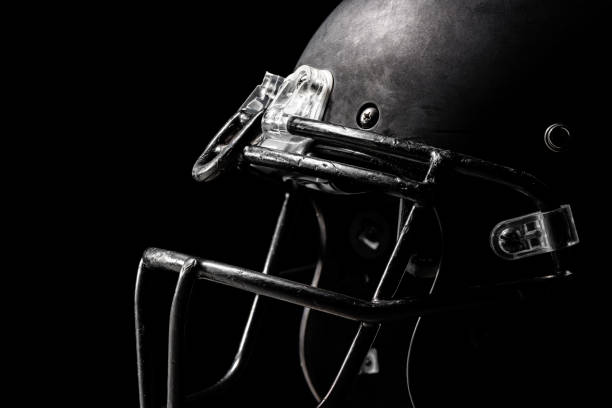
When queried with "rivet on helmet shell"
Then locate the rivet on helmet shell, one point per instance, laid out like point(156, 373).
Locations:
point(557, 137)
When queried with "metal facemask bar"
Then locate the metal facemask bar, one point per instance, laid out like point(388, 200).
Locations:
point(277, 131)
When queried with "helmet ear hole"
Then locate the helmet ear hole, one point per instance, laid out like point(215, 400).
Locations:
point(369, 235)
point(368, 115)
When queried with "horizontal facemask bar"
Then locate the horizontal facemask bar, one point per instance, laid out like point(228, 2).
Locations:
point(421, 153)
point(339, 304)
point(277, 131)
point(364, 141)
point(381, 308)
point(290, 129)
point(335, 171)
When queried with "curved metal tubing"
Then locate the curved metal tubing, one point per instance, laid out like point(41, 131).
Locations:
point(245, 348)
point(371, 313)
point(148, 380)
point(362, 342)
point(349, 137)
point(336, 171)
point(367, 332)
point(176, 334)
point(147, 375)
point(375, 311)
point(336, 303)
point(318, 270)
point(218, 157)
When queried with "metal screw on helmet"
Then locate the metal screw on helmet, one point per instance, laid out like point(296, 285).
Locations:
point(557, 137)
point(511, 240)
point(368, 116)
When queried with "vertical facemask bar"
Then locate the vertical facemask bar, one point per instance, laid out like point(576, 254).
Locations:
point(245, 347)
point(315, 283)
point(387, 287)
point(366, 333)
point(180, 304)
point(148, 379)
point(176, 333)
point(146, 369)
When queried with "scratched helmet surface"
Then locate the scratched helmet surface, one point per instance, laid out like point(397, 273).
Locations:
point(474, 76)
point(432, 146)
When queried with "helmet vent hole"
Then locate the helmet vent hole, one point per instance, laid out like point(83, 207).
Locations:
point(368, 116)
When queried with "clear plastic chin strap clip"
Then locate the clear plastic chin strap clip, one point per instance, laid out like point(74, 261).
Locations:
point(534, 234)
point(304, 93)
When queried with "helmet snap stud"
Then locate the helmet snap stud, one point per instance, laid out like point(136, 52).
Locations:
point(368, 116)
point(557, 137)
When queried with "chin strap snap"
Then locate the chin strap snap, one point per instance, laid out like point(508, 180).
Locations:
point(534, 234)
point(226, 146)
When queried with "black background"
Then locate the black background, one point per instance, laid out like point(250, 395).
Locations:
point(131, 95)
point(143, 88)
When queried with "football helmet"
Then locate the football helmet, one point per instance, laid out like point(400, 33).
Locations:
point(431, 145)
